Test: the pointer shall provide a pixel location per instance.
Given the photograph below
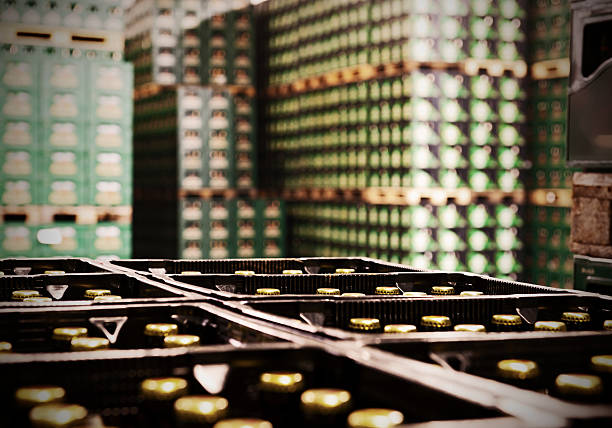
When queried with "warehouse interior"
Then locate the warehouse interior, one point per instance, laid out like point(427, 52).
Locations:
point(288, 213)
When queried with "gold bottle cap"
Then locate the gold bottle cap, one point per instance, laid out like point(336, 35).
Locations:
point(57, 415)
point(471, 293)
point(38, 299)
point(328, 291)
point(67, 333)
point(92, 293)
point(353, 295)
point(191, 272)
point(579, 384)
point(506, 319)
point(549, 326)
point(6, 347)
point(388, 290)
point(24, 294)
point(83, 343)
point(160, 329)
point(473, 328)
point(200, 408)
point(292, 272)
point(518, 369)
point(415, 294)
point(364, 324)
point(54, 272)
point(107, 298)
point(607, 325)
point(325, 401)
point(267, 291)
point(400, 328)
point(181, 340)
point(435, 321)
point(602, 363)
point(443, 290)
point(576, 317)
point(281, 381)
point(375, 418)
point(244, 272)
point(243, 423)
point(163, 388)
point(345, 270)
point(30, 396)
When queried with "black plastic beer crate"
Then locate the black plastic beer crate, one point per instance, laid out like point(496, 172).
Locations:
point(30, 330)
point(70, 289)
point(232, 286)
point(109, 386)
point(331, 317)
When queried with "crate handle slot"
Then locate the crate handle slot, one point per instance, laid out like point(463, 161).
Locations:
point(87, 39)
point(64, 218)
point(34, 35)
point(103, 322)
point(15, 218)
point(211, 376)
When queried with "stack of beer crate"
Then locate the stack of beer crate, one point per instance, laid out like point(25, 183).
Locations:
point(421, 104)
point(65, 130)
point(550, 180)
point(195, 171)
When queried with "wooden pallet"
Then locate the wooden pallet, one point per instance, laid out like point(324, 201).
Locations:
point(550, 69)
point(148, 90)
point(208, 193)
point(494, 67)
point(437, 196)
point(551, 197)
point(47, 214)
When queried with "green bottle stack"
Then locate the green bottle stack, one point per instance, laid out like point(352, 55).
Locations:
point(65, 130)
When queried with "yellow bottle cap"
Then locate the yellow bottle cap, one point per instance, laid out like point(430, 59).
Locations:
point(191, 272)
point(57, 415)
point(364, 324)
point(471, 293)
point(181, 340)
point(67, 333)
point(54, 272)
point(30, 396)
point(88, 343)
point(607, 325)
point(579, 384)
point(160, 329)
point(163, 388)
point(6, 347)
point(435, 321)
point(24, 294)
point(576, 317)
point(328, 291)
point(442, 290)
point(325, 401)
point(388, 290)
point(243, 423)
point(375, 418)
point(473, 328)
point(200, 408)
point(107, 298)
point(281, 381)
point(549, 326)
point(506, 319)
point(244, 272)
point(415, 294)
point(518, 369)
point(400, 328)
point(292, 272)
point(267, 291)
point(345, 270)
point(602, 363)
point(38, 299)
point(353, 295)
point(92, 293)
